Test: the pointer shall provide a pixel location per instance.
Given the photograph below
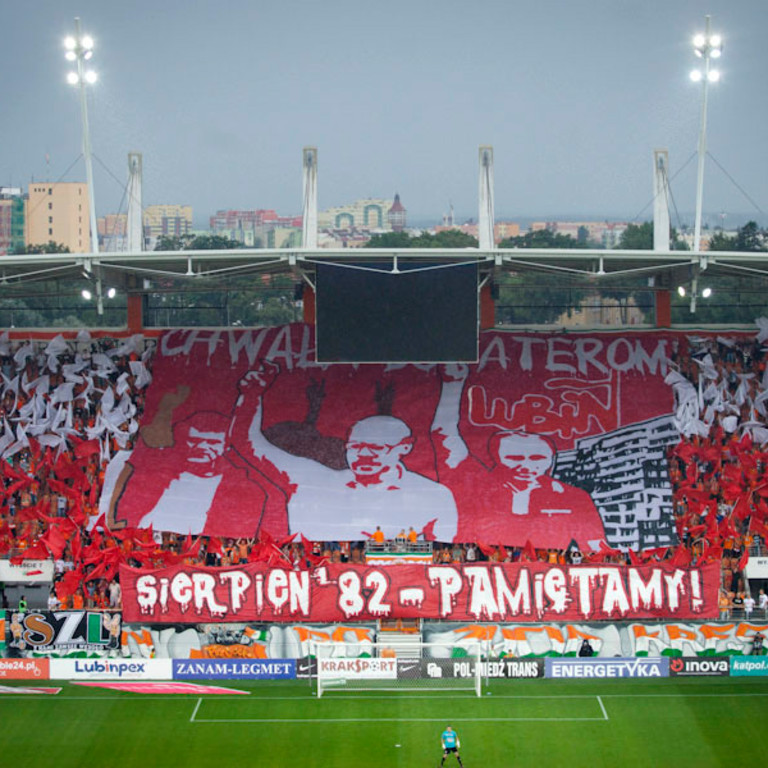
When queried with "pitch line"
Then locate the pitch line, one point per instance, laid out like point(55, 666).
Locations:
point(374, 720)
point(185, 697)
point(678, 695)
point(602, 706)
point(197, 706)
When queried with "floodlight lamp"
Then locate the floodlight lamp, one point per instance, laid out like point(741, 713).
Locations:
point(87, 55)
point(72, 78)
point(713, 76)
point(681, 291)
point(697, 52)
point(87, 42)
point(70, 43)
point(706, 293)
point(86, 294)
point(70, 55)
point(91, 76)
point(696, 76)
point(716, 53)
point(111, 293)
point(699, 41)
point(716, 41)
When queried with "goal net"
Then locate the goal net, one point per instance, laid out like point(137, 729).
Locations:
point(379, 666)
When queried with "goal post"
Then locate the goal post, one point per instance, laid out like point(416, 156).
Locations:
point(421, 667)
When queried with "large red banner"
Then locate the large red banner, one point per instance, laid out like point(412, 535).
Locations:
point(548, 439)
point(482, 592)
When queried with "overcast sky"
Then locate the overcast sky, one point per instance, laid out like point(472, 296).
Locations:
point(220, 97)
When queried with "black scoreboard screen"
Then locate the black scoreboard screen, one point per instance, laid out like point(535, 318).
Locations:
point(425, 312)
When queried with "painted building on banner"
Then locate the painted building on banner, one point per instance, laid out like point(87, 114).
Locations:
point(625, 472)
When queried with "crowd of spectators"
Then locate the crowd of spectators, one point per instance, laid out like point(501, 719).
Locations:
point(67, 407)
point(718, 469)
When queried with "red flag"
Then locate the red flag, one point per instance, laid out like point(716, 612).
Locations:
point(55, 540)
point(17, 486)
point(605, 550)
point(486, 549)
point(714, 554)
point(76, 546)
point(529, 552)
point(214, 545)
point(87, 448)
point(744, 559)
point(36, 552)
point(93, 495)
point(67, 585)
point(100, 522)
point(681, 558)
point(758, 527)
point(77, 515)
point(743, 507)
point(308, 555)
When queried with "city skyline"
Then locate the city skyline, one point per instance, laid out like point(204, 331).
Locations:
point(220, 101)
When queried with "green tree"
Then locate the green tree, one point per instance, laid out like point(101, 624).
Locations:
point(196, 243)
point(747, 238)
point(543, 238)
point(49, 247)
point(639, 237)
point(171, 242)
point(390, 240)
point(212, 243)
point(450, 238)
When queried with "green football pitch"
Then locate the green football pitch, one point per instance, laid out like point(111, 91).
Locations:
point(675, 722)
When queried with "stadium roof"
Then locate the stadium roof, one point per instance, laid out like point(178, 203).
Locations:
point(220, 265)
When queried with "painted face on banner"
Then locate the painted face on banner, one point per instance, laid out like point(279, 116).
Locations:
point(527, 456)
point(376, 445)
point(204, 447)
point(203, 440)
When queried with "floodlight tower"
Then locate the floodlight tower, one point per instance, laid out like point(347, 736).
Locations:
point(79, 49)
point(707, 47)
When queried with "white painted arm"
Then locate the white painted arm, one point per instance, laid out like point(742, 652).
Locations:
point(446, 438)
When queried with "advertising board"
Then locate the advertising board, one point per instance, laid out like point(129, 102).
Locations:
point(606, 668)
point(24, 669)
point(749, 666)
point(358, 669)
point(694, 666)
point(234, 669)
point(111, 669)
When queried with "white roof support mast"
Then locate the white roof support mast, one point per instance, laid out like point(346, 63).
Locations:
point(660, 200)
point(135, 228)
point(309, 213)
point(485, 220)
